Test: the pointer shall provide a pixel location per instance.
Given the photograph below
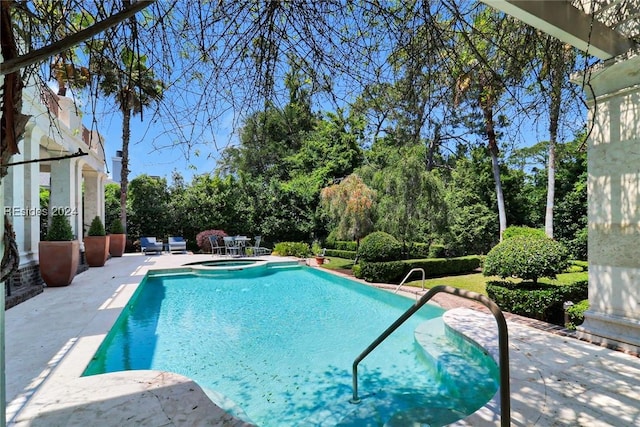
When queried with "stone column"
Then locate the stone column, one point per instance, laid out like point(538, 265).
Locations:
point(93, 195)
point(14, 201)
point(31, 148)
point(614, 203)
point(66, 188)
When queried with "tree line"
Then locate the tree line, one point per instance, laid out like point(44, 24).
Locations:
point(280, 180)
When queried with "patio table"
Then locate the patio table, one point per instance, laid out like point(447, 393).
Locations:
point(241, 243)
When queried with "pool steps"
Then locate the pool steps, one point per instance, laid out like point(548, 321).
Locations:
point(258, 268)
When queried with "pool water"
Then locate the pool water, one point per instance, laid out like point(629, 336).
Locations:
point(277, 350)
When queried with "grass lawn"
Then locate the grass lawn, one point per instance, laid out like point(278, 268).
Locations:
point(472, 282)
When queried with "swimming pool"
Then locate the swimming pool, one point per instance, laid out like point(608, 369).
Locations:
point(276, 349)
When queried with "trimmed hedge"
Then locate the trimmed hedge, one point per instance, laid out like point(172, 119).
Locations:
point(341, 254)
point(540, 301)
point(418, 251)
point(394, 271)
point(346, 245)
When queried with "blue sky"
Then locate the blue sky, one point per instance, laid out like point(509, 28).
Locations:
point(152, 150)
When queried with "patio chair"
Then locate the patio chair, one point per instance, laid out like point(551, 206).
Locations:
point(216, 249)
point(150, 244)
point(258, 250)
point(177, 243)
point(230, 247)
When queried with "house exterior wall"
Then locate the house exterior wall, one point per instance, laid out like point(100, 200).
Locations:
point(613, 188)
point(54, 130)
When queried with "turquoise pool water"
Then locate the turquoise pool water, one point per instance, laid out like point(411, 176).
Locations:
point(277, 349)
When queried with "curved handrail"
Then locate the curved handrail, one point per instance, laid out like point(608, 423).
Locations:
point(503, 344)
point(407, 276)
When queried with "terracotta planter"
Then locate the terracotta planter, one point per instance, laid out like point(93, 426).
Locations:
point(117, 243)
point(59, 262)
point(320, 260)
point(96, 250)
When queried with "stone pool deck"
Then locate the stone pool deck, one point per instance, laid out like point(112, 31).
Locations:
point(555, 379)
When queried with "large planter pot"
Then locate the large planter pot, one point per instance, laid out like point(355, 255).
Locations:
point(117, 243)
point(96, 250)
point(58, 262)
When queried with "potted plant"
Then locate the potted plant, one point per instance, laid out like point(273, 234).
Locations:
point(59, 254)
point(118, 239)
point(318, 252)
point(96, 244)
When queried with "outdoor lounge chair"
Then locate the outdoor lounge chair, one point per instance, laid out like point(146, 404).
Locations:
point(177, 243)
point(149, 244)
point(216, 249)
point(258, 250)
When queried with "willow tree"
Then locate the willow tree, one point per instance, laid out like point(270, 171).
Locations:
point(349, 204)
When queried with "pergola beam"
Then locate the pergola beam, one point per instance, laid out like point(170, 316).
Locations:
point(567, 23)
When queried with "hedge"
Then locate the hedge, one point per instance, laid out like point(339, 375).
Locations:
point(394, 271)
point(341, 254)
point(346, 245)
point(542, 301)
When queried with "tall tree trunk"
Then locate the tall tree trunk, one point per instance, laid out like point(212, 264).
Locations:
point(551, 185)
point(487, 111)
point(557, 67)
point(124, 173)
point(433, 146)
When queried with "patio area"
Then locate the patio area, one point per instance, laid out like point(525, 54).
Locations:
point(555, 380)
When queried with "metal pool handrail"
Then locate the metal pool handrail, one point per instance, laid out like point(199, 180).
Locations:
point(503, 344)
point(407, 276)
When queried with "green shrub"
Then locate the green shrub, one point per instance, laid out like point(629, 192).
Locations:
point(296, 249)
point(341, 254)
point(517, 231)
point(526, 257)
point(346, 245)
point(357, 270)
point(577, 266)
point(379, 246)
point(576, 313)
point(437, 251)
point(116, 227)
point(60, 228)
point(382, 272)
point(394, 271)
point(578, 246)
point(538, 301)
point(417, 250)
point(96, 228)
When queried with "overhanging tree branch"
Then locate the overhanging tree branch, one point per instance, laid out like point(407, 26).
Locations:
point(15, 64)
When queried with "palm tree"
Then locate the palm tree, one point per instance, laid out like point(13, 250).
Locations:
point(491, 60)
point(134, 87)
